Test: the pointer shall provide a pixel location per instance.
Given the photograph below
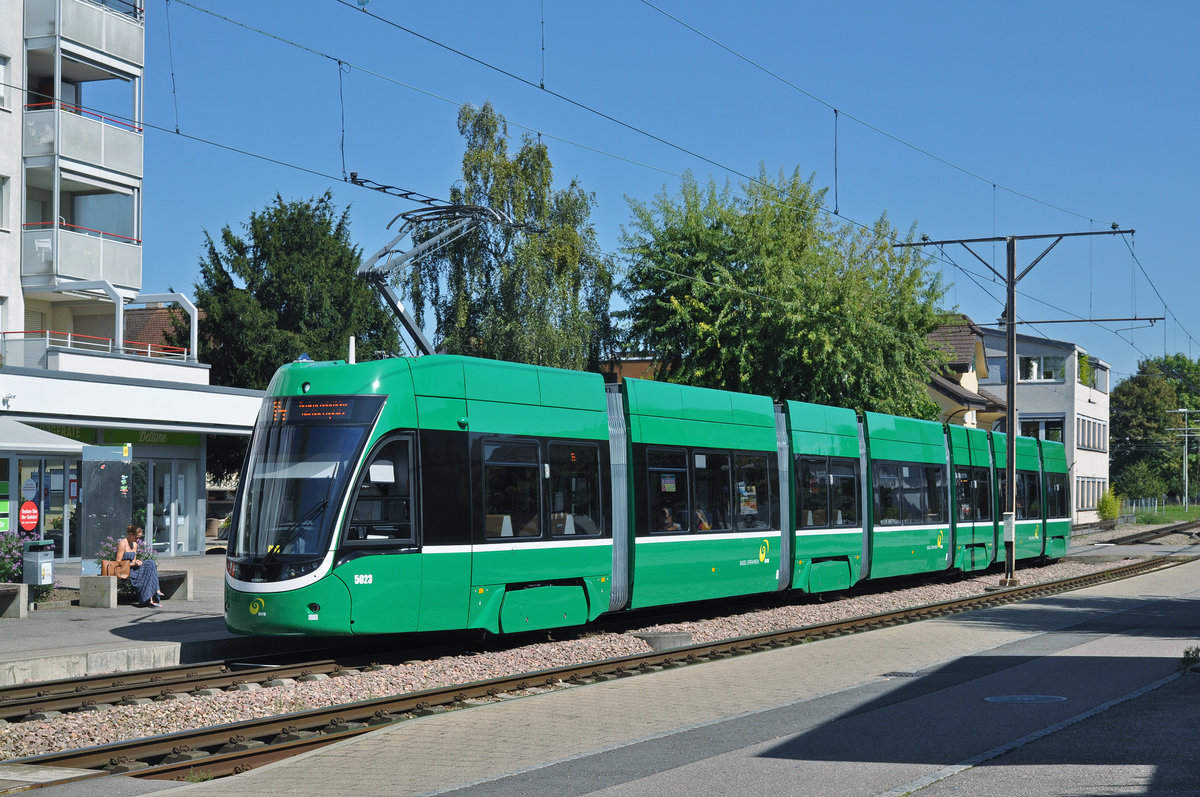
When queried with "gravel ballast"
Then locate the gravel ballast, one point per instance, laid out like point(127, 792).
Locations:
point(121, 723)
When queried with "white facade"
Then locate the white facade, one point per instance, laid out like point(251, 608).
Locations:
point(1053, 404)
point(70, 262)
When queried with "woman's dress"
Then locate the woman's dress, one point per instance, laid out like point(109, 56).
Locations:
point(144, 579)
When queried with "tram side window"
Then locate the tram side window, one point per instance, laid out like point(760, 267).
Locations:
point(912, 486)
point(575, 490)
point(843, 492)
point(964, 494)
point(668, 489)
point(383, 505)
point(1029, 495)
point(1057, 503)
point(512, 496)
point(935, 495)
point(752, 479)
point(982, 486)
point(814, 493)
point(712, 490)
point(887, 495)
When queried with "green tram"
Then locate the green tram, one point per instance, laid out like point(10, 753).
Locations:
point(444, 493)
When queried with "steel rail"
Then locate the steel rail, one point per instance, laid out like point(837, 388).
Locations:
point(152, 685)
point(236, 747)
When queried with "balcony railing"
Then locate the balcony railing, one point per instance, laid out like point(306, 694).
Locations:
point(112, 26)
point(28, 348)
point(52, 251)
point(86, 136)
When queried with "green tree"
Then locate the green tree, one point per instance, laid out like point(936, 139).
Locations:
point(761, 292)
point(287, 287)
point(537, 294)
point(1140, 422)
point(1139, 480)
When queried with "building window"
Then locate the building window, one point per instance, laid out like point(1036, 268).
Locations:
point(1047, 368)
point(1043, 428)
point(4, 70)
point(4, 199)
point(1093, 434)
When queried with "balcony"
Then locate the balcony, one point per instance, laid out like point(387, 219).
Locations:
point(115, 27)
point(85, 137)
point(87, 354)
point(51, 253)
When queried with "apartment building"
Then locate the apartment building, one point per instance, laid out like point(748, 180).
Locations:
point(71, 174)
point(1062, 394)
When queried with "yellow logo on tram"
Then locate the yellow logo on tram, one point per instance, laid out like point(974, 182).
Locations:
point(257, 605)
point(763, 550)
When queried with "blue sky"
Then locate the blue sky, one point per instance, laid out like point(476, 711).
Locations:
point(1019, 118)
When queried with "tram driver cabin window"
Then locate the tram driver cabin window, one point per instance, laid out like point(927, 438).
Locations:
point(382, 513)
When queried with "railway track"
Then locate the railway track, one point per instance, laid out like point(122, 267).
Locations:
point(237, 747)
point(1157, 533)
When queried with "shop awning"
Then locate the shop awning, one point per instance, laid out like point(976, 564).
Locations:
point(17, 437)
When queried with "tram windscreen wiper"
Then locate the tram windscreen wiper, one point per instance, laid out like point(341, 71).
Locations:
point(294, 529)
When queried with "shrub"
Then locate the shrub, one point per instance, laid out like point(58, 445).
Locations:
point(1109, 505)
point(12, 550)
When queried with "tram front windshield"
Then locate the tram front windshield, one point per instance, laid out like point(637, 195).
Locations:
point(296, 475)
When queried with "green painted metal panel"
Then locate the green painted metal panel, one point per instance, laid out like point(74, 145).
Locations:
point(1054, 457)
point(436, 412)
point(1026, 447)
point(906, 551)
point(1028, 457)
point(521, 563)
point(490, 417)
point(4, 524)
point(438, 375)
point(822, 431)
point(905, 439)
point(577, 389)
point(445, 590)
point(484, 610)
point(1058, 537)
point(537, 608)
point(666, 400)
point(701, 567)
point(677, 432)
point(814, 548)
point(385, 592)
point(492, 380)
point(830, 575)
point(288, 613)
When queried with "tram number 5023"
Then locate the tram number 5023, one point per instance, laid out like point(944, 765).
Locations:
point(363, 578)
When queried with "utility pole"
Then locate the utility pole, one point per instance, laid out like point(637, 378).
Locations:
point(1186, 447)
point(1011, 278)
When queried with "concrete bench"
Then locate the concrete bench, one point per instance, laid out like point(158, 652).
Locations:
point(100, 592)
point(14, 600)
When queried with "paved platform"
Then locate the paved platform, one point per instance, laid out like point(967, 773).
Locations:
point(53, 643)
point(879, 713)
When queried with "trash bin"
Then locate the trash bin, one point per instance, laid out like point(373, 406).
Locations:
point(37, 562)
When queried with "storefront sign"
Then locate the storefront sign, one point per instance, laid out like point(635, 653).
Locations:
point(28, 516)
point(149, 437)
point(79, 433)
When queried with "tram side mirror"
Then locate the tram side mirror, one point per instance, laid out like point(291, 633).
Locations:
point(382, 471)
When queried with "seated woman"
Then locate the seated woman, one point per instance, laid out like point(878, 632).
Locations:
point(143, 573)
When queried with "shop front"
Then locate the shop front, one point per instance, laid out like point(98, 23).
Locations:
point(167, 486)
point(39, 485)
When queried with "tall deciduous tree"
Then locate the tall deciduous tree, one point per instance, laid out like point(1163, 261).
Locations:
point(285, 288)
point(511, 293)
point(760, 292)
point(1140, 422)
